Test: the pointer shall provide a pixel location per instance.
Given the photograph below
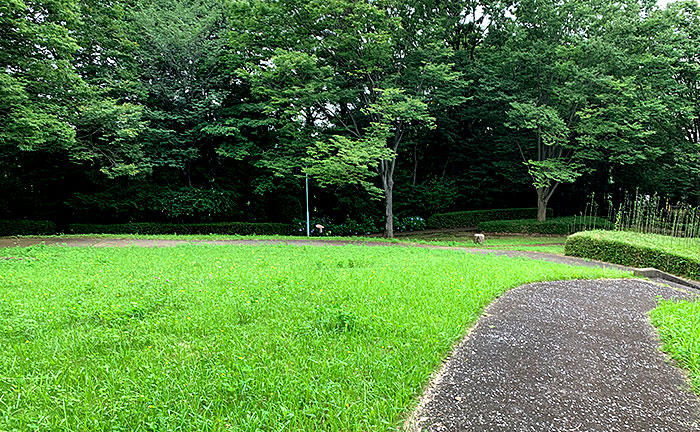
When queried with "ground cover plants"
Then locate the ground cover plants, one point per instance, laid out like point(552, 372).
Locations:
point(203, 337)
point(678, 324)
point(680, 256)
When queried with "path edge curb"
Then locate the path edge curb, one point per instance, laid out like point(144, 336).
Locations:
point(653, 273)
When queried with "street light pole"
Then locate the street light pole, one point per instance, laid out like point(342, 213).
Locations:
point(308, 223)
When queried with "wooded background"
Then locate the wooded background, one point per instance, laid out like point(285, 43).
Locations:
point(214, 110)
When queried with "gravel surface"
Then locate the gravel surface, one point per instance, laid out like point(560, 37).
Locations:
point(563, 356)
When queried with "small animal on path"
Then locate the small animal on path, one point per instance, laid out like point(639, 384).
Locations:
point(479, 238)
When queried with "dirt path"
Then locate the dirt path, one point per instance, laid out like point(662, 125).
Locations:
point(563, 356)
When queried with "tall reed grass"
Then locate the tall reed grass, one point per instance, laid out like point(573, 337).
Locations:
point(644, 213)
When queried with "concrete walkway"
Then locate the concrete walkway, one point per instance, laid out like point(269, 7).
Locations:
point(563, 356)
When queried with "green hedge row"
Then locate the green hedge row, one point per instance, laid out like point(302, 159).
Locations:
point(26, 227)
point(670, 254)
point(228, 228)
point(473, 218)
point(562, 226)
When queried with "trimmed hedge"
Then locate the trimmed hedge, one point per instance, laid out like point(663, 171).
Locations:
point(153, 228)
point(562, 226)
point(670, 254)
point(26, 227)
point(473, 218)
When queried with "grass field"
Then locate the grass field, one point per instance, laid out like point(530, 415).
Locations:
point(678, 323)
point(553, 244)
point(219, 338)
point(549, 244)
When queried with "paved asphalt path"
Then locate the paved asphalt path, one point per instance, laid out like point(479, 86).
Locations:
point(550, 357)
point(563, 356)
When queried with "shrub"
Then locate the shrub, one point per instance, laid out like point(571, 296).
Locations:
point(563, 226)
point(673, 255)
point(473, 218)
point(409, 223)
point(203, 204)
point(227, 228)
point(26, 227)
point(366, 225)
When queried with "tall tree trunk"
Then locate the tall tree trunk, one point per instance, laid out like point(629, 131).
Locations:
point(386, 172)
point(389, 211)
point(415, 164)
point(542, 198)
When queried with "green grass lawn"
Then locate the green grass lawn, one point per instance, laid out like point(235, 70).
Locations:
point(239, 338)
point(678, 323)
point(553, 244)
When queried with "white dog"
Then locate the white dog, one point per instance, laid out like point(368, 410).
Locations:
point(479, 238)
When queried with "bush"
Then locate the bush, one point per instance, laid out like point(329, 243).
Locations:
point(151, 228)
point(197, 204)
point(26, 227)
point(473, 218)
point(563, 226)
point(366, 225)
point(671, 254)
point(409, 223)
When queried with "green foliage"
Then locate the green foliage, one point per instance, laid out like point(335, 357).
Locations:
point(436, 103)
point(678, 324)
point(364, 225)
point(209, 338)
point(654, 214)
point(670, 254)
point(342, 160)
point(427, 198)
point(38, 83)
point(410, 223)
point(199, 204)
point(472, 218)
point(561, 226)
point(26, 227)
point(228, 228)
point(335, 89)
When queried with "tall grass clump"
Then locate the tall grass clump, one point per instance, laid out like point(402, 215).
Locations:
point(643, 213)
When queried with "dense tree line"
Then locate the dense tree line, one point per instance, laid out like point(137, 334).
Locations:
point(214, 110)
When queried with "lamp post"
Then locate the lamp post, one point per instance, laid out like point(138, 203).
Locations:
point(308, 223)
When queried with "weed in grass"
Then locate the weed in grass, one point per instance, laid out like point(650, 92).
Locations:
point(216, 338)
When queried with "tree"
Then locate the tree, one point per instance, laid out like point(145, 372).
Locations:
point(568, 103)
point(666, 88)
point(37, 81)
point(378, 69)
